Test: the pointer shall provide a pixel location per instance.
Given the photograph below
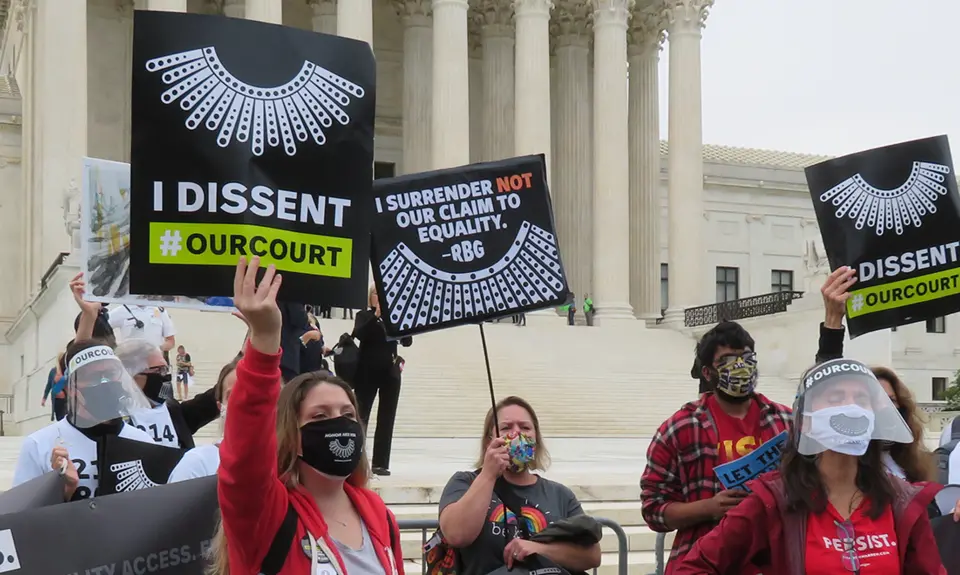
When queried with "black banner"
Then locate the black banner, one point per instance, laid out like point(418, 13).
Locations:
point(39, 492)
point(464, 245)
point(132, 465)
point(893, 214)
point(250, 139)
point(165, 530)
point(947, 533)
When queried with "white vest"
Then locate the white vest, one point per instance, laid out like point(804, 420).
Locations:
point(156, 422)
point(37, 447)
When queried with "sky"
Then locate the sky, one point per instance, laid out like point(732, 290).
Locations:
point(827, 76)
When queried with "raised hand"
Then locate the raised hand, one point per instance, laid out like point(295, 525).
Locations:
point(258, 304)
point(78, 287)
point(835, 294)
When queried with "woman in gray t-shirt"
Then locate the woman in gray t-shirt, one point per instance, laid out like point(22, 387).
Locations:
point(473, 517)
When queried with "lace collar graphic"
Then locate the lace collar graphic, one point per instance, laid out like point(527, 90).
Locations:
point(131, 476)
point(885, 210)
point(302, 108)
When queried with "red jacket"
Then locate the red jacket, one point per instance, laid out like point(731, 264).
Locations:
point(253, 500)
point(761, 526)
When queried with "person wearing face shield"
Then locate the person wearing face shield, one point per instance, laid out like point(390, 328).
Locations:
point(729, 420)
point(832, 508)
point(100, 394)
point(294, 502)
point(167, 421)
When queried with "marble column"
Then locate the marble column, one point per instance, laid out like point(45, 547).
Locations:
point(496, 32)
point(61, 90)
point(611, 159)
point(270, 11)
point(167, 5)
point(234, 8)
point(324, 16)
point(644, 42)
point(475, 55)
point(573, 181)
point(451, 84)
point(417, 70)
point(355, 20)
point(532, 73)
point(685, 159)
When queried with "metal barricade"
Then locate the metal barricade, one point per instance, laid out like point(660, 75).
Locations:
point(426, 526)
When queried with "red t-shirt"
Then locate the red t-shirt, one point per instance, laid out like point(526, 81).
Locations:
point(738, 437)
point(874, 543)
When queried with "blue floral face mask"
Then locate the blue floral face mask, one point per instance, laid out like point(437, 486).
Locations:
point(522, 450)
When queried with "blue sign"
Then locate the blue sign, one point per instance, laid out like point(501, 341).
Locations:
point(735, 474)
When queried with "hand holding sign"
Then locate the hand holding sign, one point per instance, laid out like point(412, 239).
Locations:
point(719, 504)
point(60, 461)
point(258, 304)
point(835, 295)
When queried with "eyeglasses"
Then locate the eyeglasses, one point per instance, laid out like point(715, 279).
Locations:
point(849, 557)
point(159, 370)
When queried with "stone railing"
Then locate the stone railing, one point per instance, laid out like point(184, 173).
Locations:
point(743, 308)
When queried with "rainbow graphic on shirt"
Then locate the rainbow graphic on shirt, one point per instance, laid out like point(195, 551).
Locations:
point(533, 518)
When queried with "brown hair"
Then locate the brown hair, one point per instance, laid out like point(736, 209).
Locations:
point(914, 458)
point(224, 372)
point(288, 434)
point(541, 459)
point(803, 484)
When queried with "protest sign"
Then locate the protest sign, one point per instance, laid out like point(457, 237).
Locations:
point(735, 474)
point(464, 245)
point(132, 465)
point(250, 139)
point(892, 214)
point(105, 241)
point(947, 533)
point(38, 492)
point(165, 529)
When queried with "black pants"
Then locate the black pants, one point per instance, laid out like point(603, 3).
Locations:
point(370, 381)
point(59, 408)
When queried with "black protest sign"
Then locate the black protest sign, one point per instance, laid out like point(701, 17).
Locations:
point(893, 214)
point(250, 139)
point(167, 529)
point(38, 492)
point(132, 465)
point(947, 533)
point(465, 244)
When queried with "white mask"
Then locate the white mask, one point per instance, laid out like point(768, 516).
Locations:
point(843, 429)
point(223, 411)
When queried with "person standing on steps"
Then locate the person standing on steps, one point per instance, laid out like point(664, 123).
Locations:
point(679, 489)
point(184, 372)
point(588, 309)
point(379, 370)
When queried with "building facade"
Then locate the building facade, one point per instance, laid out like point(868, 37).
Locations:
point(647, 228)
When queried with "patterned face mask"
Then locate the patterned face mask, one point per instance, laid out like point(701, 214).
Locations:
point(737, 374)
point(522, 450)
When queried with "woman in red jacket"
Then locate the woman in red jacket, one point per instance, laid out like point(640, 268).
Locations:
point(294, 503)
point(832, 509)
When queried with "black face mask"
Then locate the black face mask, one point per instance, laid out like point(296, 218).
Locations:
point(332, 446)
point(102, 401)
point(157, 387)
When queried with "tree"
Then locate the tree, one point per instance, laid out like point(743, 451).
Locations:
point(952, 394)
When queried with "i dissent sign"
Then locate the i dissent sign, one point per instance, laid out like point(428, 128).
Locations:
point(465, 244)
point(250, 139)
point(892, 213)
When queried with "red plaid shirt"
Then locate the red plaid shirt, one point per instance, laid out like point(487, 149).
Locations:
point(680, 462)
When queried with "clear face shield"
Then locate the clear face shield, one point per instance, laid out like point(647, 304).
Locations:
point(842, 407)
point(99, 389)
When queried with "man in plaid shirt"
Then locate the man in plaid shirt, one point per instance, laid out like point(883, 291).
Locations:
point(679, 489)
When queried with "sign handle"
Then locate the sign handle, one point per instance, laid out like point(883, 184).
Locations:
point(493, 397)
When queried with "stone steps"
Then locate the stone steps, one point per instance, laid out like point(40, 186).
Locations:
point(624, 380)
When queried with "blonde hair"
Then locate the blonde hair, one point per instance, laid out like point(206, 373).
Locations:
point(541, 458)
point(370, 292)
point(288, 439)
